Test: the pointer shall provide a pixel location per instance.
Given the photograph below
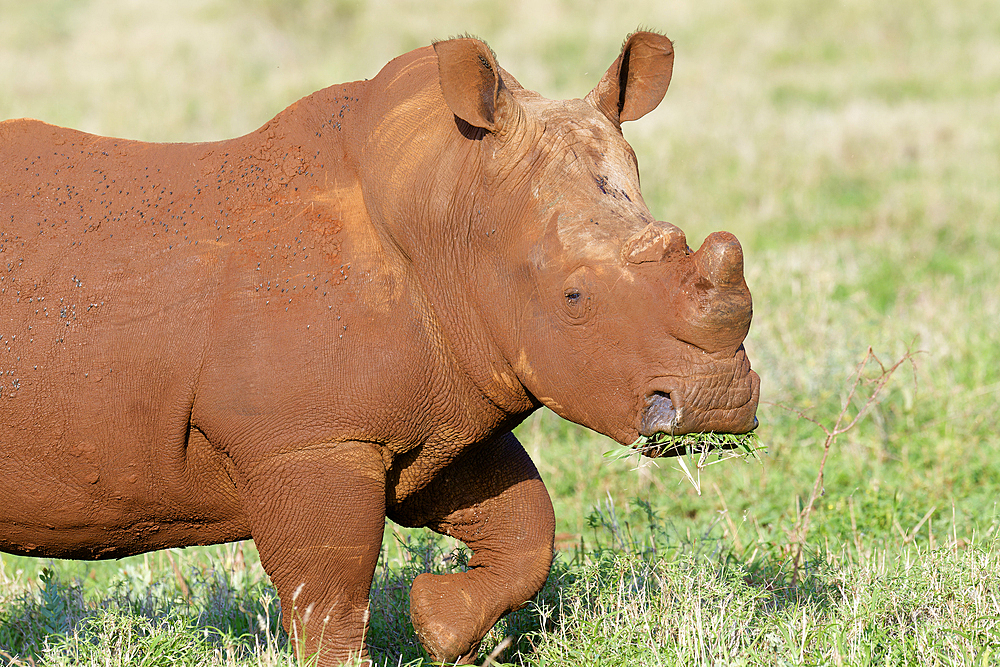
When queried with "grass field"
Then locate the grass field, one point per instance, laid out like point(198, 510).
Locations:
point(853, 147)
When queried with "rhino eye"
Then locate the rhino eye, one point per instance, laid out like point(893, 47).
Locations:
point(577, 305)
point(578, 296)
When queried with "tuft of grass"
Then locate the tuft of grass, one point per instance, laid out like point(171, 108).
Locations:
point(668, 444)
point(696, 450)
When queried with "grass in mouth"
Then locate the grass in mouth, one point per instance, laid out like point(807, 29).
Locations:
point(665, 444)
point(700, 448)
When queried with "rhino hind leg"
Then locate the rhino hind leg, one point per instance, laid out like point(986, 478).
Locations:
point(494, 501)
point(317, 518)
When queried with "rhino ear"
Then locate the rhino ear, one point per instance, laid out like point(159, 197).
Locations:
point(637, 81)
point(470, 81)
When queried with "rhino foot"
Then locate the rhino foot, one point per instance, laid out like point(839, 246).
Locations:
point(492, 499)
point(444, 618)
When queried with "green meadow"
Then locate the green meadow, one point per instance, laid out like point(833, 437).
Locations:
point(854, 149)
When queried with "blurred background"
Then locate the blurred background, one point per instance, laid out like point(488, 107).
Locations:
point(852, 146)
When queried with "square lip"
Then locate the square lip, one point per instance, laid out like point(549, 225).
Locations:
point(668, 386)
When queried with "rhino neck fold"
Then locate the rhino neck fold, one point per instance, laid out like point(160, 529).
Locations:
point(422, 189)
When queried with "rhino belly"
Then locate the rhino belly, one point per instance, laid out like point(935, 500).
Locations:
point(81, 497)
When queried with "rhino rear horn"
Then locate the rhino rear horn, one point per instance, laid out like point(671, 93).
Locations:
point(471, 82)
point(637, 81)
point(652, 243)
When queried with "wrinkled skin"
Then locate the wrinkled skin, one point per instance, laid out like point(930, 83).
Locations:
point(339, 318)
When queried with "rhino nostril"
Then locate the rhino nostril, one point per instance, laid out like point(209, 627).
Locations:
point(660, 416)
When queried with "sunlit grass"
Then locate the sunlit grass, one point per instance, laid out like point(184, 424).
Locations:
point(642, 593)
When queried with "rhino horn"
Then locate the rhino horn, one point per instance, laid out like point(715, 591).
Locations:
point(725, 315)
point(720, 260)
point(653, 243)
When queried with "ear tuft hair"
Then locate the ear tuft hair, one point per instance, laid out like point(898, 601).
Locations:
point(469, 35)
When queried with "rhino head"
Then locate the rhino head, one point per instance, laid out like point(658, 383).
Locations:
point(604, 313)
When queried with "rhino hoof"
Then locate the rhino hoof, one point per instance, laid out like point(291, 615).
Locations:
point(446, 628)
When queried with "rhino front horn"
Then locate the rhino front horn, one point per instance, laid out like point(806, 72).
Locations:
point(653, 243)
point(720, 260)
point(723, 316)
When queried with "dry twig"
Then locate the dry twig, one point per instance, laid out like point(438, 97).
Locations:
point(840, 426)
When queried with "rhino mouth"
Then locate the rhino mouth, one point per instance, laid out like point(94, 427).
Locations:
point(663, 434)
point(661, 416)
point(669, 413)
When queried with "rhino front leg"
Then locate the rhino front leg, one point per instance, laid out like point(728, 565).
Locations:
point(317, 518)
point(494, 501)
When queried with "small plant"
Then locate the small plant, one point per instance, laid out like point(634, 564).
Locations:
point(860, 385)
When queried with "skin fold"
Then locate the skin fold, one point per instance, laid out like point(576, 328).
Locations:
point(291, 335)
